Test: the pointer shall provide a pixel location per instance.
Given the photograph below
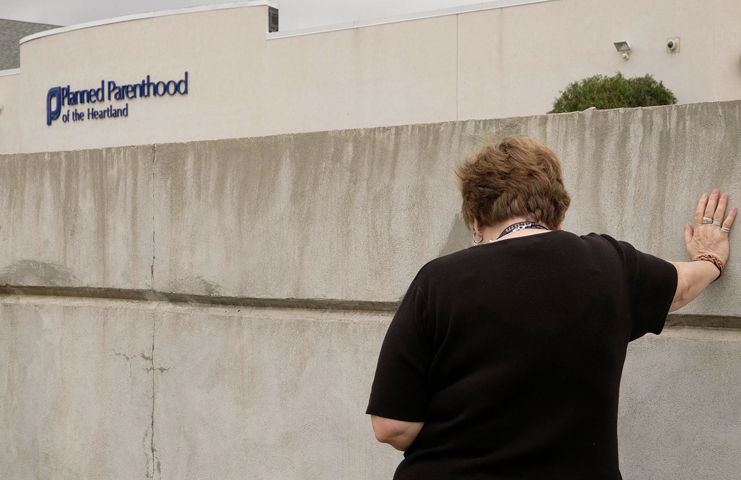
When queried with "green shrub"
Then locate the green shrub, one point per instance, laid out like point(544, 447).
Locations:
point(613, 92)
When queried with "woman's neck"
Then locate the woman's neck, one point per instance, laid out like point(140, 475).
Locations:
point(492, 232)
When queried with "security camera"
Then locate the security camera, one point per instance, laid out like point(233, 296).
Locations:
point(672, 45)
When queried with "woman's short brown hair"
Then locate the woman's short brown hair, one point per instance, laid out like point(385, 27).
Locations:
point(515, 177)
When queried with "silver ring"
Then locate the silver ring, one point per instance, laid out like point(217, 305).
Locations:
point(707, 220)
point(716, 222)
point(727, 230)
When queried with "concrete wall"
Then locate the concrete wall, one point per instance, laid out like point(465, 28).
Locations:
point(215, 309)
point(483, 61)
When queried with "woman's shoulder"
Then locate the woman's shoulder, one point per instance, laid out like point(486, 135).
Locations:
point(559, 239)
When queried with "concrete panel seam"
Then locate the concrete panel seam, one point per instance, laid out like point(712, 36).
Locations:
point(703, 321)
point(672, 321)
point(697, 334)
point(182, 298)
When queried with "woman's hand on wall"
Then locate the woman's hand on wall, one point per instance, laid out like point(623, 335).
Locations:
point(708, 238)
point(703, 239)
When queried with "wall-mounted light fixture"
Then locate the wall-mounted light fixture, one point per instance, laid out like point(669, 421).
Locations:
point(623, 48)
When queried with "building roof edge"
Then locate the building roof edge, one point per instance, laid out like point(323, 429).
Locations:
point(141, 16)
point(10, 71)
point(475, 7)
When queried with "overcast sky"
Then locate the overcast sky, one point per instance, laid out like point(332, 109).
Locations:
point(293, 13)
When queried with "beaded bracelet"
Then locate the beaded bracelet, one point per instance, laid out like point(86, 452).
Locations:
point(714, 260)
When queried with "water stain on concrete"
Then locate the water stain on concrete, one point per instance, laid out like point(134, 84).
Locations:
point(32, 272)
point(208, 288)
point(459, 237)
point(197, 284)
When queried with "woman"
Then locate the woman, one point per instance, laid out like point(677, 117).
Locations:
point(504, 360)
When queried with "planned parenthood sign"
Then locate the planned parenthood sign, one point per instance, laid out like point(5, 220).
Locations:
point(59, 97)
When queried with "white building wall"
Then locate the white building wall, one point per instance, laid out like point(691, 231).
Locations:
point(222, 51)
point(481, 62)
point(9, 111)
point(392, 74)
point(515, 61)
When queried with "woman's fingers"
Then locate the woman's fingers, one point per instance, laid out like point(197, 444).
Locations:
point(720, 210)
point(731, 217)
point(712, 203)
point(712, 206)
point(700, 211)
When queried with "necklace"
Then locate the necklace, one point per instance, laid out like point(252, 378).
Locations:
point(520, 226)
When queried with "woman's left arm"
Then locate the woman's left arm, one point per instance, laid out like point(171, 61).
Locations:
point(397, 433)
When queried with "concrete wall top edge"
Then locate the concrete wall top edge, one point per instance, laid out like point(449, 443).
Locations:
point(10, 71)
point(142, 16)
point(103, 151)
point(381, 128)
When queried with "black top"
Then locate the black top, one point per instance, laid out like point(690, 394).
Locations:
point(511, 353)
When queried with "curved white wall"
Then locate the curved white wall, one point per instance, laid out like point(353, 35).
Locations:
point(9, 114)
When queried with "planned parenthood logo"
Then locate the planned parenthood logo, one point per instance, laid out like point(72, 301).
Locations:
point(59, 97)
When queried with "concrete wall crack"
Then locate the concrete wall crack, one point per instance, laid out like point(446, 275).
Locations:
point(154, 207)
point(153, 463)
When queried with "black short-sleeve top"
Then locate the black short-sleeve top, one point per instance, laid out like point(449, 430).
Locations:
point(511, 354)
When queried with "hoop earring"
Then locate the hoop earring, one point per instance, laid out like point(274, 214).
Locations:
point(476, 242)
